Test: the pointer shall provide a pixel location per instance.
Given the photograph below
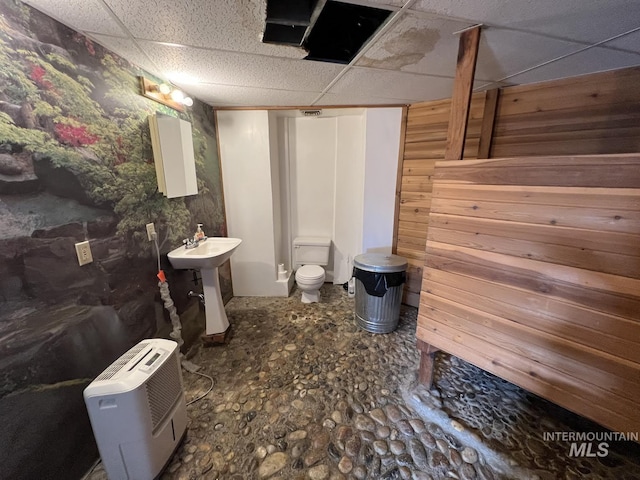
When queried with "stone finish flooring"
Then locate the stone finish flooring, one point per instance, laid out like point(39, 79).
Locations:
point(301, 393)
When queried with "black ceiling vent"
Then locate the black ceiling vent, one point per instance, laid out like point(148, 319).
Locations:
point(288, 21)
point(341, 30)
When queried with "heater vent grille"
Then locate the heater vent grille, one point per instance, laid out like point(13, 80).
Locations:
point(163, 389)
point(116, 366)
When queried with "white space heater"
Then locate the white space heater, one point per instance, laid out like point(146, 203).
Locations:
point(137, 410)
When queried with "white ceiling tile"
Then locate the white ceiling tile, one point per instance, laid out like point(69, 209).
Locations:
point(389, 84)
point(630, 42)
point(356, 99)
point(480, 87)
point(81, 15)
point(418, 44)
point(582, 20)
point(232, 68)
point(592, 60)
point(411, 62)
point(221, 24)
point(225, 95)
point(506, 52)
point(386, 4)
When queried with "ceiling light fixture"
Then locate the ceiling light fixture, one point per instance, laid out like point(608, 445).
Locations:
point(177, 96)
point(165, 94)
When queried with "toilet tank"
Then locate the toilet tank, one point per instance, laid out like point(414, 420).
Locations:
point(311, 251)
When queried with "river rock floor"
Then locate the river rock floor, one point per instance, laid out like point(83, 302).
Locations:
point(301, 393)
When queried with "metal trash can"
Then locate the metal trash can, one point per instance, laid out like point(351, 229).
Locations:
point(379, 280)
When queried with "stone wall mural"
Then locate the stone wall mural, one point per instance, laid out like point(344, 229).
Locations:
point(76, 164)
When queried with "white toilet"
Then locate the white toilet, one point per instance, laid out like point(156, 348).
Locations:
point(310, 254)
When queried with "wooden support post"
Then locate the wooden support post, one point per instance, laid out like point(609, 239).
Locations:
point(462, 88)
point(460, 102)
point(427, 357)
point(488, 121)
point(396, 213)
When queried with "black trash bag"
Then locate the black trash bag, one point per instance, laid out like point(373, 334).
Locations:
point(377, 284)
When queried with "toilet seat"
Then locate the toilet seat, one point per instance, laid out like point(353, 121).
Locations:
point(310, 272)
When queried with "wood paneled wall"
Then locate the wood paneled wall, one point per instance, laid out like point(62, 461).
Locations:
point(425, 141)
point(591, 114)
point(533, 273)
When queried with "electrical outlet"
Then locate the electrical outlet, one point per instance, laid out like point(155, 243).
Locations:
point(83, 250)
point(151, 230)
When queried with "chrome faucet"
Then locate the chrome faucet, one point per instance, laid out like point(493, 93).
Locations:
point(190, 243)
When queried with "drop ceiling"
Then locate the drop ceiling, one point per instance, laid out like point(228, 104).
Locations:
point(212, 48)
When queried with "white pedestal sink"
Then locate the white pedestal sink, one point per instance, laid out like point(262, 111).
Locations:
point(207, 257)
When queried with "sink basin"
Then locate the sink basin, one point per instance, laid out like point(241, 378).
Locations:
point(211, 253)
point(207, 257)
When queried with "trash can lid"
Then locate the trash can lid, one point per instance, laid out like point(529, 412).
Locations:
point(380, 263)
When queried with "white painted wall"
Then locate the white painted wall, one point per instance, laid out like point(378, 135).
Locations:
point(312, 153)
point(276, 188)
point(349, 187)
point(326, 161)
point(287, 176)
point(381, 168)
point(243, 137)
point(285, 194)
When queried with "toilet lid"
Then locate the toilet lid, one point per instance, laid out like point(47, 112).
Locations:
point(310, 272)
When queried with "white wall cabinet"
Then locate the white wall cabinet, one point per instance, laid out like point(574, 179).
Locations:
point(172, 142)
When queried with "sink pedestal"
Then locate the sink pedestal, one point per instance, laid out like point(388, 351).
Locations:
point(216, 317)
point(207, 256)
